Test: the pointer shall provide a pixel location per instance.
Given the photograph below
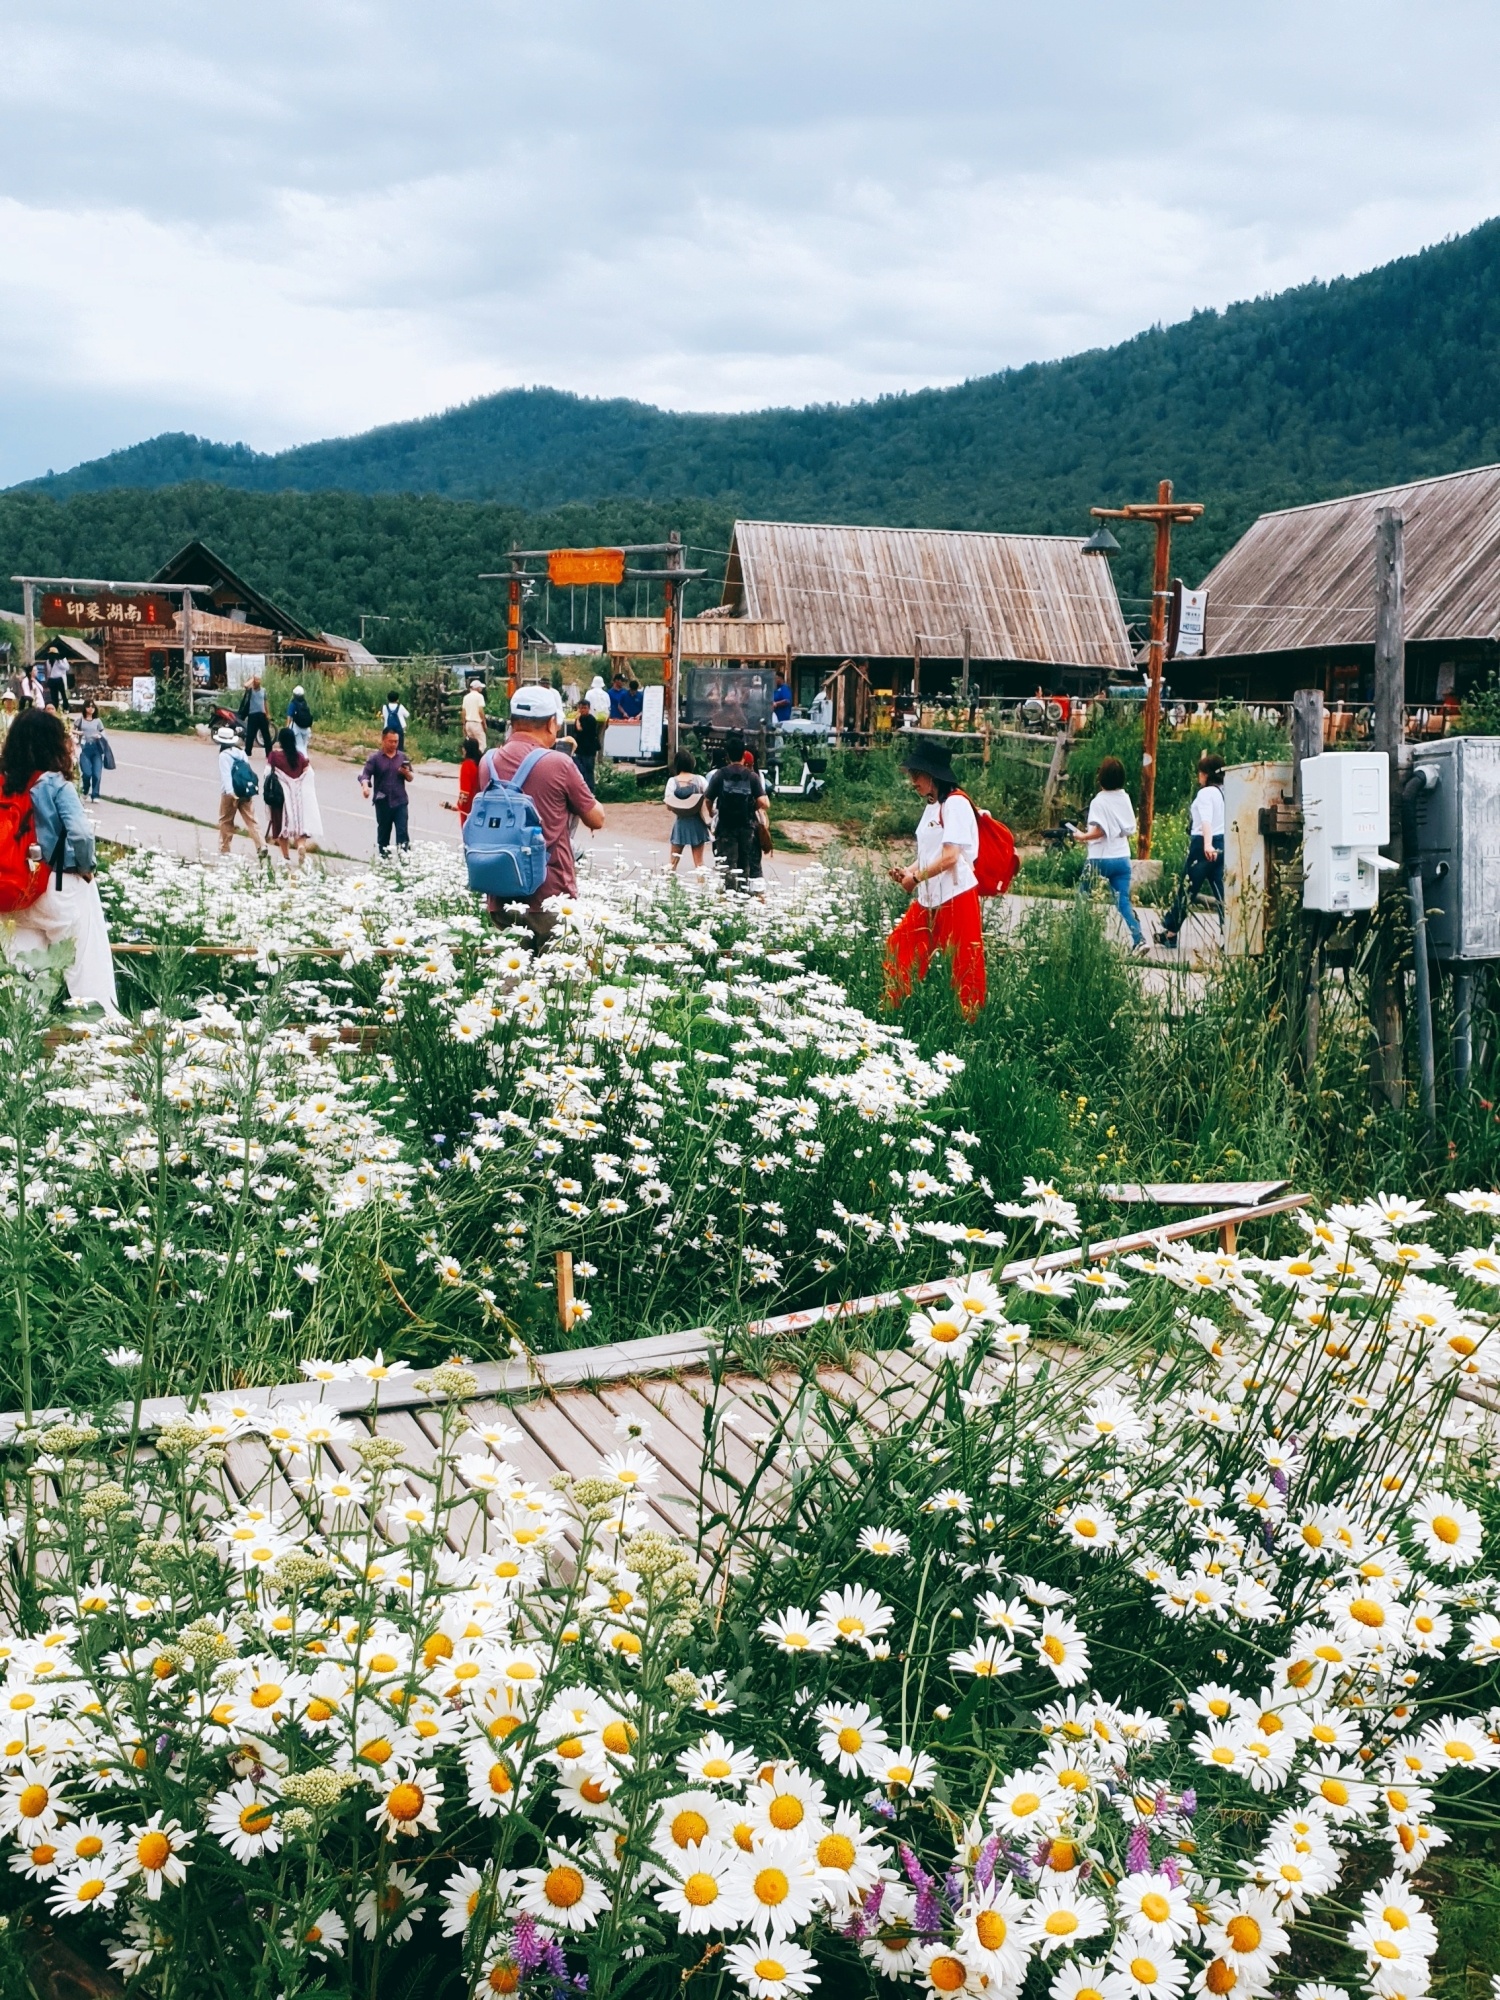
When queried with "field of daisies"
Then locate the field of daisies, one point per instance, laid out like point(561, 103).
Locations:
point(1109, 1634)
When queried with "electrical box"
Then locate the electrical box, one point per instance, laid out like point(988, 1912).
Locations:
point(1458, 842)
point(1346, 820)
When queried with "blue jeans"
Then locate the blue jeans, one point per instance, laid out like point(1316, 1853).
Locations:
point(90, 766)
point(1116, 873)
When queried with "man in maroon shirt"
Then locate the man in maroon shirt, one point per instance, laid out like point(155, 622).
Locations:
point(556, 787)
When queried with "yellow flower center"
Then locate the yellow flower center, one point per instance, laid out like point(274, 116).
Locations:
point(836, 1850)
point(688, 1828)
point(771, 1886)
point(700, 1890)
point(563, 1887)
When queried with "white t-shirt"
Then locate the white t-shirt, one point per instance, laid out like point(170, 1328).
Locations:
point(473, 711)
point(952, 824)
point(1207, 816)
point(1114, 815)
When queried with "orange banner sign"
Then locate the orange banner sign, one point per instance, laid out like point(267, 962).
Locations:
point(586, 566)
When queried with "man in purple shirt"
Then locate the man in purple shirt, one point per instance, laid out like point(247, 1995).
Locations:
point(385, 774)
point(556, 787)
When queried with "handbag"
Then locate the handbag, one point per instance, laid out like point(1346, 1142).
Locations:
point(763, 833)
point(109, 755)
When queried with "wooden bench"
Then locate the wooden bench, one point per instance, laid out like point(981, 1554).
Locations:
point(1197, 1194)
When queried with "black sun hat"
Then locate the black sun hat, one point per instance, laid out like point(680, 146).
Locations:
point(935, 760)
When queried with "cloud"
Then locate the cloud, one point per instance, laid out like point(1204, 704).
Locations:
point(301, 218)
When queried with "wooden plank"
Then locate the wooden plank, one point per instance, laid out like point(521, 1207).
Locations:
point(593, 1420)
point(1192, 1194)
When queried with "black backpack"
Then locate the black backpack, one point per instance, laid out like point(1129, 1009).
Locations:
point(737, 794)
point(273, 792)
point(301, 714)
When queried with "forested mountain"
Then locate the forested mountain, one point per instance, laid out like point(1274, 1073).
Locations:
point(1320, 390)
point(326, 557)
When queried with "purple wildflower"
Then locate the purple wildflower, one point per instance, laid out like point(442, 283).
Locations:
point(1138, 1850)
point(526, 1943)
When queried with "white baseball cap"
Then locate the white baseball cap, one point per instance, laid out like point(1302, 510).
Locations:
point(535, 704)
point(476, 684)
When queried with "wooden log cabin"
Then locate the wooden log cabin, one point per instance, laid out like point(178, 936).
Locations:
point(230, 617)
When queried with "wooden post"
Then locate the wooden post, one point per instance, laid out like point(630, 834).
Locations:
point(28, 615)
point(1307, 734)
point(672, 650)
point(1156, 660)
point(189, 687)
point(964, 677)
point(1387, 1024)
point(1059, 764)
point(1307, 741)
point(916, 673)
point(513, 633)
point(564, 1260)
point(1390, 656)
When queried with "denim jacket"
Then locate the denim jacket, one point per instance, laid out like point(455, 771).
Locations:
point(59, 810)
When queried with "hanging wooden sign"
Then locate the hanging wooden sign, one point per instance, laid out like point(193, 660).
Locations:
point(586, 566)
point(81, 610)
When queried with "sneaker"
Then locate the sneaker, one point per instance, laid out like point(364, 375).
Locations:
point(1140, 949)
point(1167, 940)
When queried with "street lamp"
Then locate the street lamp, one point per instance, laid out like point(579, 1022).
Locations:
point(372, 618)
point(1101, 543)
point(1163, 510)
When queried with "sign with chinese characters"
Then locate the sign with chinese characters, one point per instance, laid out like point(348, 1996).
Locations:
point(82, 610)
point(1188, 616)
point(586, 566)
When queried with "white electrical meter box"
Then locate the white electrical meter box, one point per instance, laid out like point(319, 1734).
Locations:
point(1346, 820)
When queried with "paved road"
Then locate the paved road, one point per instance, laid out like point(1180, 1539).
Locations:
point(164, 792)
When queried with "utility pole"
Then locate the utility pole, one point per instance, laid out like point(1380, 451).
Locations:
point(1387, 1022)
point(1164, 511)
point(372, 618)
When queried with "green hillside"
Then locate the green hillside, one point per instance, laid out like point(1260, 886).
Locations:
point(1320, 390)
point(326, 557)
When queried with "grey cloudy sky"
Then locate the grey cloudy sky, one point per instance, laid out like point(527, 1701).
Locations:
point(295, 218)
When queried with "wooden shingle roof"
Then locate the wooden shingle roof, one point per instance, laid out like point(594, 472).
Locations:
point(867, 593)
point(1306, 576)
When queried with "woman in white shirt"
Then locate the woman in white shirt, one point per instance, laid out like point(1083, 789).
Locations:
point(944, 915)
point(1205, 862)
point(1108, 828)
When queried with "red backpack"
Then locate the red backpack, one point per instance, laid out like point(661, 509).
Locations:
point(995, 864)
point(21, 883)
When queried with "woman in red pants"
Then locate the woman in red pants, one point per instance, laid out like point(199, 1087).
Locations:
point(944, 914)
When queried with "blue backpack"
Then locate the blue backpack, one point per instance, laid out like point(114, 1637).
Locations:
point(504, 846)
